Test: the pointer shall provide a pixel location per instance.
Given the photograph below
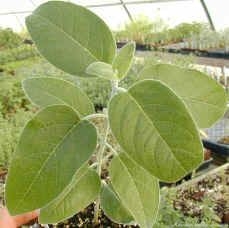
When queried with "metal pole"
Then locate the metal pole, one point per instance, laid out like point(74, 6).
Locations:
point(207, 14)
point(133, 3)
point(127, 11)
point(32, 2)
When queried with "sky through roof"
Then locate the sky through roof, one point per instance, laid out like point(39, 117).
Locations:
point(13, 12)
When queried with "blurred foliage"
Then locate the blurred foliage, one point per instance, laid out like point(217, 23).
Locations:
point(18, 53)
point(177, 34)
point(10, 129)
point(156, 34)
point(140, 29)
point(11, 67)
point(12, 96)
point(185, 30)
point(208, 39)
point(9, 39)
point(15, 109)
point(144, 31)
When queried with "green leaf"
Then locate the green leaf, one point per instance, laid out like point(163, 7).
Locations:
point(70, 36)
point(45, 91)
point(83, 189)
point(113, 207)
point(136, 188)
point(102, 70)
point(161, 135)
point(124, 59)
point(52, 147)
point(203, 96)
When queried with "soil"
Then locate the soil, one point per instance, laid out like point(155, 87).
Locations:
point(85, 219)
point(214, 188)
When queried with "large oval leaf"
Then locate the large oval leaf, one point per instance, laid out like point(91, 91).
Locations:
point(83, 189)
point(136, 188)
point(45, 91)
point(161, 135)
point(203, 96)
point(113, 207)
point(52, 147)
point(70, 36)
point(124, 59)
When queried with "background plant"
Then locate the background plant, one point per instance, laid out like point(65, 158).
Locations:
point(58, 143)
point(9, 39)
point(19, 53)
point(144, 31)
point(10, 129)
point(12, 96)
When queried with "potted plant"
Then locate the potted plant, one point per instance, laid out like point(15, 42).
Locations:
point(155, 123)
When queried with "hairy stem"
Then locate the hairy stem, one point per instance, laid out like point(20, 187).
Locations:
point(111, 148)
point(114, 87)
point(102, 149)
point(95, 116)
point(112, 152)
point(103, 144)
point(99, 168)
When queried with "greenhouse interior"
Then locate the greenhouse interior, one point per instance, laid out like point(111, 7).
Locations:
point(114, 113)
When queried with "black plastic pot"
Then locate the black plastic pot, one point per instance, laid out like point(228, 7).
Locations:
point(200, 53)
point(219, 148)
point(186, 51)
point(219, 152)
point(139, 47)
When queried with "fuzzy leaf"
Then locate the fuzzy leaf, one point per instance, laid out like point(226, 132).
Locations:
point(113, 207)
point(102, 70)
point(83, 189)
point(70, 36)
point(161, 135)
point(136, 188)
point(203, 96)
point(51, 149)
point(124, 59)
point(45, 91)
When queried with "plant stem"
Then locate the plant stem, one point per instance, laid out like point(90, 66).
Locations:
point(112, 152)
point(99, 168)
point(111, 148)
point(114, 87)
point(102, 148)
point(103, 144)
point(94, 116)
